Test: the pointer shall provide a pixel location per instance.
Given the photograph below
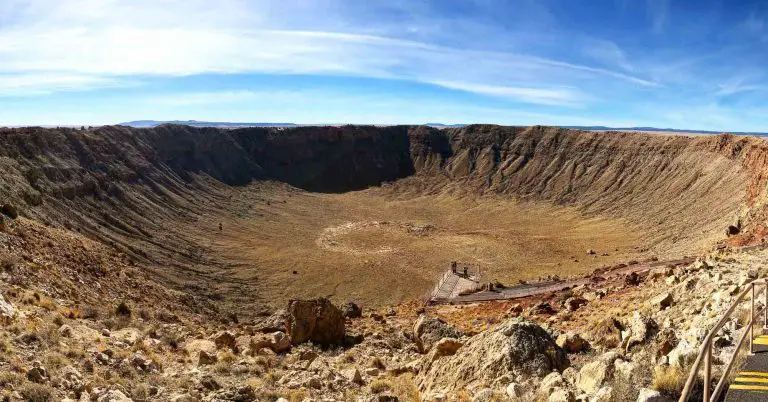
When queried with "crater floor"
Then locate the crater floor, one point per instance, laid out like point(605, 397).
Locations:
point(376, 248)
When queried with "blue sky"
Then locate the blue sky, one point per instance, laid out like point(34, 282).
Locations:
point(682, 64)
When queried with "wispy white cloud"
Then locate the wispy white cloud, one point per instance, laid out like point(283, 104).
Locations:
point(609, 53)
point(105, 41)
point(32, 84)
point(542, 96)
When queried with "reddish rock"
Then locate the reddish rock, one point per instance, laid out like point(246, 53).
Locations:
point(317, 321)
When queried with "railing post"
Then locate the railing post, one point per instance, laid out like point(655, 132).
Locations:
point(765, 307)
point(751, 318)
point(707, 371)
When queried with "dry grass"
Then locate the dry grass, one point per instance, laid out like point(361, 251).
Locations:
point(37, 392)
point(669, 380)
point(380, 385)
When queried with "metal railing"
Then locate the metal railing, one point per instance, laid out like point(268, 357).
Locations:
point(705, 354)
point(439, 285)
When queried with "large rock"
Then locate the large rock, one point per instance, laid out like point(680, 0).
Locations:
point(639, 329)
point(428, 330)
point(225, 339)
point(572, 343)
point(606, 333)
point(318, 321)
point(275, 322)
point(661, 301)
point(561, 395)
point(7, 311)
point(351, 310)
point(649, 395)
point(594, 375)
point(114, 396)
point(516, 347)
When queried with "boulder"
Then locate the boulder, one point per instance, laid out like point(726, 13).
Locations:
point(114, 396)
point(667, 341)
point(193, 347)
point(649, 395)
point(515, 347)
point(128, 335)
point(594, 375)
point(561, 395)
point(37, 373)
point(428, 330)
point(638, 329)
point(484, 395)
point(318, 321)
point(700, 264)
point(276, 341)
point(606, 333)
point(205, 358)
point(447, 346)
point(352, 375)
point(7, 311)
point(572, 343)
point(550, 383)
point(632, 279)
point(65, 331)
point(604, 394)
point(683, 355)
point(513, 391)
point(351, 310)
point(275, 322)
point(225, 339)
point(661, 301)
point(573, 303)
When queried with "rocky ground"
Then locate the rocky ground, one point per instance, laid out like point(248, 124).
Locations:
point(80, 322)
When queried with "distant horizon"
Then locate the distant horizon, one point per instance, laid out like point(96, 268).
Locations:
point(146, 123)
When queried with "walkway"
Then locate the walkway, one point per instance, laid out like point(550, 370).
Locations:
point(751, 383)
point(543, 287)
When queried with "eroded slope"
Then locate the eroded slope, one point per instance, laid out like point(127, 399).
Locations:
point(146, 191)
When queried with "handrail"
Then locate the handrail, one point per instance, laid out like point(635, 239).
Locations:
point(705, 352)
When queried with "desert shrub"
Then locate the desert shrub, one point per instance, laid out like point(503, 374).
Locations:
point(140, 392)
point(90, 313)
point(165, 316)
point(36, 392)
point(377, 363)
point(123, 309)
point(380, 385)
point(405, 388)
point(9, 378)
point(10, 211)
point(144, 314)
point(8, 262)
point(117, 323)
point(669, 380)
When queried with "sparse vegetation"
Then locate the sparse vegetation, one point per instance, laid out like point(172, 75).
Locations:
point(669, 380)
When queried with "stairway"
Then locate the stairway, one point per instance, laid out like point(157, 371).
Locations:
point(446, 289)
point(751, 382)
